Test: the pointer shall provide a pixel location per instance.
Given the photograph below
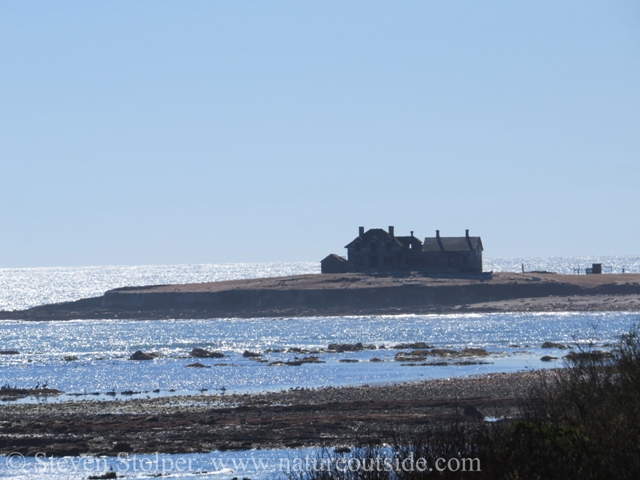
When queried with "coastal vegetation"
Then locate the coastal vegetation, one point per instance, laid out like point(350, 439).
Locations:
point(581, 423)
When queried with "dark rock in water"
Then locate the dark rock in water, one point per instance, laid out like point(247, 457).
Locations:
point(473, 412)
point(342, 450)
point(7, 392)
point(197, 365)
point(349, 347)
point(375, 359)
point(140, 355)
point(548, 358)
point(297, 350)
point(409, 357)
point(476, 352)
point(202, 353)
point(9, 352)
point(106, 476)
point(248, 354)
point(595, 355)
point(70, 358)
point(443, 352)
point(553, 345)
point(406, 346)
point(349, 360)
point(471, 362)
point(311, 360)
point(293, 364)
point(277, 364)
point(419, 353)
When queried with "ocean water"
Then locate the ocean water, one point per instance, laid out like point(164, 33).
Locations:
point(92, 356)
point(22, 288)
point(84, 357)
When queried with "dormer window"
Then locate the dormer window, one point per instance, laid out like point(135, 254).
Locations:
point(388, 246)
point(373, 247)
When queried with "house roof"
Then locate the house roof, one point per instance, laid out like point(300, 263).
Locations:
point(451, 244)
point(374, 234)
point(409, 240)
point(333, 256)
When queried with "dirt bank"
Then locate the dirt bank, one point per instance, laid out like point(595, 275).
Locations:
point(353, 294)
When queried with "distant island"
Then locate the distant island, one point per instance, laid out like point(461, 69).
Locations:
point(354, 294)
point(384, 274)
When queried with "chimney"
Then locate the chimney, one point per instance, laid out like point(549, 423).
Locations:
point(360, 231)
point(466, 233)
point(391, 232)
point(437, 233)
point(412, 233)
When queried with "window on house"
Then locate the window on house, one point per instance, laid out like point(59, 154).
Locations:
point(464, 259)
point(450, 260)
point(358, 247)
point(373, 261)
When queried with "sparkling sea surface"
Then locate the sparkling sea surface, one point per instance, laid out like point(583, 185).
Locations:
point(87, 357)
point(92, 356)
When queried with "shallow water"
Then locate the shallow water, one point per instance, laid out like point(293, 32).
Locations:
point(102, 349)
point(254, 464)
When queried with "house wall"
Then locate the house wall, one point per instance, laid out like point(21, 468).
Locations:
point(377, 256)
point(453, 262)
point(333, 265)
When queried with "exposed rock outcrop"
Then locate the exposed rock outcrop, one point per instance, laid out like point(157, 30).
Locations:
point(202, 353)
point(140, 355)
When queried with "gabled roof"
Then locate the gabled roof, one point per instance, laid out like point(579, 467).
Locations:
point(374, 234)
point(333, 256)
point(409, 240)
point(451, 244)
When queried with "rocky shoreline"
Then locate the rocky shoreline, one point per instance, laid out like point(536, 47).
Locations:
point(353, 294)
point(287, 419)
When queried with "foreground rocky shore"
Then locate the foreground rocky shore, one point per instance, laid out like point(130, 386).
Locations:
point(353, 294)
point(292, 418)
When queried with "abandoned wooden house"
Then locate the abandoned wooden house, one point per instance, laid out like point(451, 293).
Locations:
point(378, 250)
point(452, 254)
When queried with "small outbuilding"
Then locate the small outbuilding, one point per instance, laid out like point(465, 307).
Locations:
point(333, 264)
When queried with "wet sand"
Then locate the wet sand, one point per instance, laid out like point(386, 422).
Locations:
point(293, 418)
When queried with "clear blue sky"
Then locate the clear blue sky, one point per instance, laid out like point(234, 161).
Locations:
point(156, 132)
